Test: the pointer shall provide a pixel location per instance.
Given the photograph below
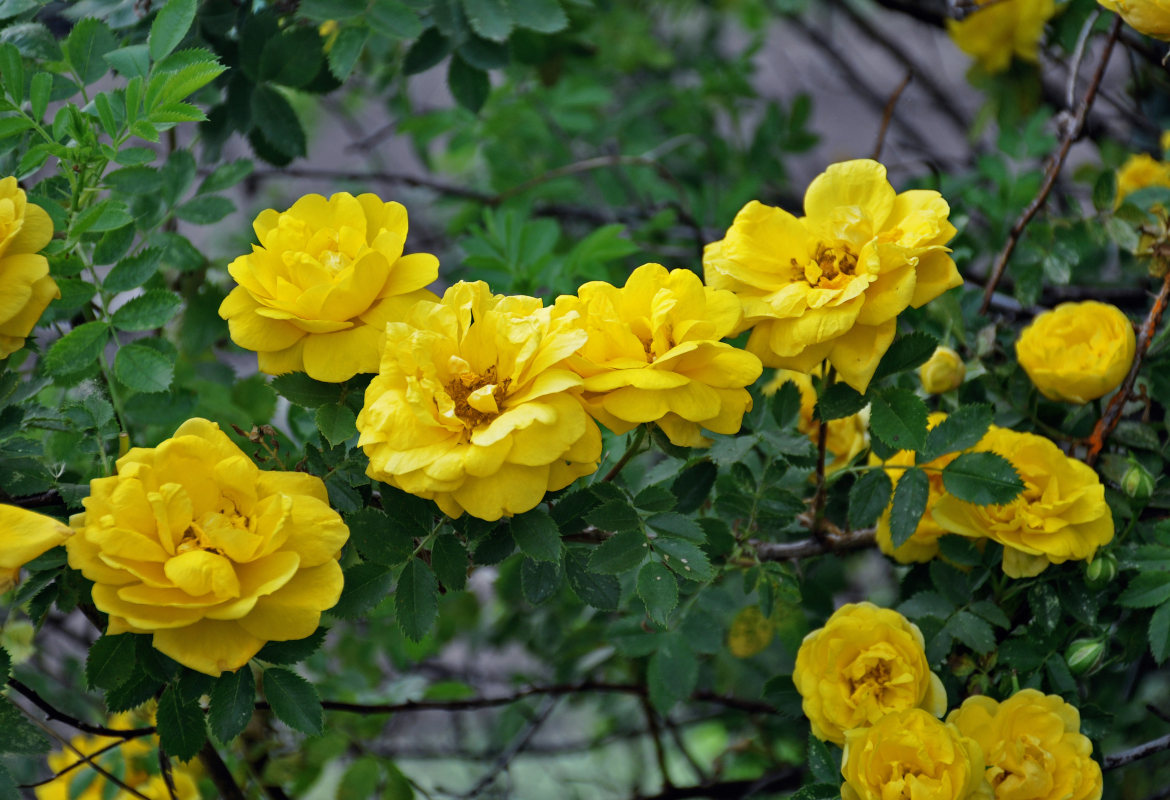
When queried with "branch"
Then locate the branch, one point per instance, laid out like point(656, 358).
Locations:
point(420, 181)
point(513, 749)
point(1112, 415)
point(655, 732)
point(60, 716)
point(1136, 753)
point(830, 542)
point(71, 767)
point(888, 114)
point(735, 789)
point(1072, 132)
point(220, 775)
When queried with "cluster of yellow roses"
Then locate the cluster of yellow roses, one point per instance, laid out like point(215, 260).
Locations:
point(865, 684)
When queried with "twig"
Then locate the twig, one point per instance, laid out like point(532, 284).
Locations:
point(734, 789)
point(1074, 67)
point(71, 767)
point(631, 451)
point(1071, 133)
point(219, 773)
point(86, 759)
point(164, 766)
point(655, 731)
point(888, 114)
point(829, 543)
point(513, 749)
point(1136, 753)
point(911, 9)
point(1112, 415)
point(60, 716)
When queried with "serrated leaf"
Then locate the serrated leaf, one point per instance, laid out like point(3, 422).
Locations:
point(676, 525)
point(346, 50)
point(819, 791)
point(173, 86)
point(898, 418)
point(143, 369)
point(982, 478)
point(304, 391)
point(907, 352)
point(537, 535)
point(293, 58)
point(469, 85)
point(959, 431)
point(416, 599)
point(910, 498)
point(170, 26)
point(394, 19)
point(992, 613)
point(972, 631)
point(672, 673)
point(693, 486)
point(181, 729)
point(449, 561)
point(133, 271)
point(491, 19)
point(620, 553)
point(77, 349)
point(294, 700)
point(205, 209)
point(544, 16)
point(149, 310)
point(294, 650)
point(231, 704)
point(337, 423)
point(427, 51)
point(603, 592)
point(110, 661)
point(225, 176)
point(1159, 633)
point(821, 763)
point(540, 580)
point(380, 539)
point(366, 585)
point(132, 61)
point(20, 736)
point(684, 558)
point(1146, 590)
point(614, 515)
point(277, 122)
point(133, 692)
point(322, 10)
point(658, 589)
point(86, 46)
point(868, 498)
point(837, 402)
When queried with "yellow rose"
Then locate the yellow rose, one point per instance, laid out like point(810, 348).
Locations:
point(654, 355)
point(866, 662)
point(1061, 515)
point(473, 407)
point(1033, 746)
point(191, 542)
point(910, 754)
point(943, 372)
point(832, 283)
point(135, 762)
point(1078, 351)
point(1151, 17)
point(922, 546)
point(24, 535)
point(25, 286)
point(1140, 171)
point(316, 294)
point(993, 34)
point(846, 437)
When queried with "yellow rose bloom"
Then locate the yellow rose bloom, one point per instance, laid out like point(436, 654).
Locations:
point(992, 35)
point(25, 286)
point(922, 546)
point(1060, 516)
point(1033, 746)
point(910, 754)
point(473, 407)
point(654, 355)
point(134, 762)
point(1140, 171)
point(316, 293)
point(193, 543)
point(832, 283)
point(1151, 17)
point(24, 535)
point(847, 437)
point(865, 663)
point(943, 372)
point(1077, 352)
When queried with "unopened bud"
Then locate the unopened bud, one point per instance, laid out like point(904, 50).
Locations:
point(962, 666)
point(1101, 571)
point(1137, 482)
point(1084, 655)
point(943, 372)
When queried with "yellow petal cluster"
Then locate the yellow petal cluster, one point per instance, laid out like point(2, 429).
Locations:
point(26, 289)
point(999, 29)
point(1077, 352)
point(24, 535)
point(831, 284)
point(1033, 747)
point(473, 407)
point(943, 371)
point(191, 542)
point(654, 355)
point(134, 762)
point(1151, 17)
point(910, 754)
point(846, 438)
point(865, 663)
point(317, 292)
point(1141, 171)
point(1060, 516)
point(922, 545)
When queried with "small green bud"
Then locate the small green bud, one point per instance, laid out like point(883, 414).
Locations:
point(962, 666)
point(1137, 482)
point(1084, 655)
point(1101, 571)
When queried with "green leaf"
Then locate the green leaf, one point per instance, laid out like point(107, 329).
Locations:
point(469, 86)
point(537, 535)
point(149, 310)
point(430, 48)
point(672, 673)
point(543, 16)
point(13, 8)
point(38, 94)
point(685, 558)
point(205, 209)
point(86, 46)
point(32, 40)
point(277, 121)
point(1105, 191)
point(659, 591)
point(394, 19)
point(294, 650)
point(132, 272)
point(693, 486)
point(898, 418)
point(484, 54)
point(615, 515)
point(181, 729)
point(1160, 633)
point(323, 10)
point(226, 176)
point(336, 423)
point(346, 50)
point(449, 561)
point(133, 692)
point(132, 61)
point(821, 763)
point(366, 585)
point(678, 526)
point(304, 391)
point(12, 126)
point(5, 664)
point(292, 59)
point(603, 592)
point(868, 498)
point(170, 26)
point(907, 352)
point(380, 539)
point(416, 599)
point(143, 368)
point(1146, 590)
point(20, 736)
point(620, 553)
point(110, 661)
point(540, 580)
point(838, 401)
point(491, 19)
point(77, 349)
point(990, 611)
point(103, 216)
point(959, 431)
point(819, 791)
point(294, 700)
point(973, 632)
point(231, 703)
point(982, 478)
point(909, 505)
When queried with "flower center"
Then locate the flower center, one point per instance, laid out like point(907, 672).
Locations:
point(477, 398)
point(828, 263)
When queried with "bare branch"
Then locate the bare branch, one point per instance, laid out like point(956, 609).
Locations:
point(830, 542)
point(60, 716)
point(220, 775)
point(1136, 753)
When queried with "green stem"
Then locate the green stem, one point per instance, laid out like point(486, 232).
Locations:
point(631, 451)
